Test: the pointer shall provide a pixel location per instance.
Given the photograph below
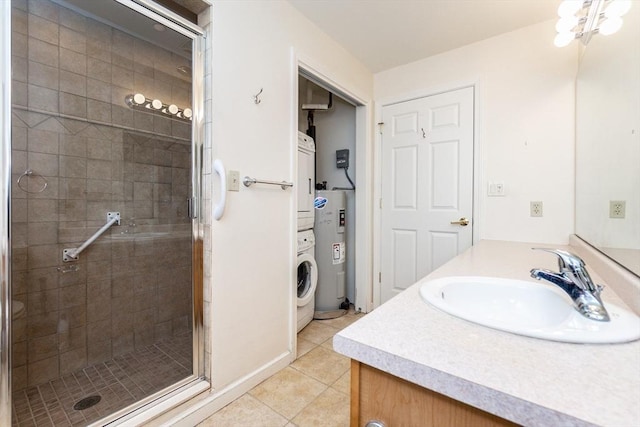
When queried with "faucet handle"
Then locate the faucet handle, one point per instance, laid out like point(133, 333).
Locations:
point(566, 260)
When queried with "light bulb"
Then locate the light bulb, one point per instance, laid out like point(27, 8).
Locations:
point(156, 104)
point(566, 24)
point(563, 39)
point(139, 98)
point(173, 108)
point(610, 26)
point(569, 7)
point(187, 113)
point(617, 8)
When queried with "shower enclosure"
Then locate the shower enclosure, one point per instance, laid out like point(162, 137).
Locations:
point(104, 300)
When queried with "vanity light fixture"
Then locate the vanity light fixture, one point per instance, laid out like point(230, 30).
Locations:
point(581, 19)
point(141, 102)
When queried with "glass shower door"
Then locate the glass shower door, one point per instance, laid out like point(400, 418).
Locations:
point(102, 245)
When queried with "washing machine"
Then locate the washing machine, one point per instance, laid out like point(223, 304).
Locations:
point(306, 181)
point(307, 278)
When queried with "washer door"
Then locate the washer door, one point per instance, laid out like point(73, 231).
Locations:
point(307, 278)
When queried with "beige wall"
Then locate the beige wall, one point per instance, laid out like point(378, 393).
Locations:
point(525, 128)
point(253, 246)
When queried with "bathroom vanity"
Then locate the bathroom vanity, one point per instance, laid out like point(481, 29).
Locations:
point(415, 365)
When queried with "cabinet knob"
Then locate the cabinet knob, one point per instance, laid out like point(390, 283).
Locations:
point(375, 423)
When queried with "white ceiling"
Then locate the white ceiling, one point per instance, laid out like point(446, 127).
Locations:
point(384, 34)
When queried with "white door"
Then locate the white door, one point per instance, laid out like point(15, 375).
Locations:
point(427, 183)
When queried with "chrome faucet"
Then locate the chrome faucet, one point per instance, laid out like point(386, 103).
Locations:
point(574, 279)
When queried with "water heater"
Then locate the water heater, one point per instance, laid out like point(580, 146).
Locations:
point(331, 252)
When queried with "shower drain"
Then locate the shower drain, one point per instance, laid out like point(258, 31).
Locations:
point(87, 402)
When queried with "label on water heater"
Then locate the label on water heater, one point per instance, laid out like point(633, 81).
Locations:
point(320, 202)
point(338, 252)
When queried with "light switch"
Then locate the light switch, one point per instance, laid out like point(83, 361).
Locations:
point(496, 189)
point(233, 181)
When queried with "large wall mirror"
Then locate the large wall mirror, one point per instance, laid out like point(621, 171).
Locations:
point(608, 143)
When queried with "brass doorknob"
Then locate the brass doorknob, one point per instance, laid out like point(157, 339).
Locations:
point(463, 222)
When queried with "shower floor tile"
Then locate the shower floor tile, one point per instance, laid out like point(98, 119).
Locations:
point(119, 382)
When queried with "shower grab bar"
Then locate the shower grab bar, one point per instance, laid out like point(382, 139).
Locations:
point(248, 181)
point(71, 254)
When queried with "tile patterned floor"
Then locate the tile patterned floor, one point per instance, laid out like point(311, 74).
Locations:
point(312, 391)
point(119, 382)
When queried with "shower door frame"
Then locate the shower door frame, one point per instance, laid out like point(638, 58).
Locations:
point(5, 215)
point(179, 389)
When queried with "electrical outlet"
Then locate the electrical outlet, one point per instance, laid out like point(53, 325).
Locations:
point(617, 208)
point(535, 209)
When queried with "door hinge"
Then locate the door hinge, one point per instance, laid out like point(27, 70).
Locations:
point(191, 208)
point(380, 203)
point(379, 277)
point(380, 126)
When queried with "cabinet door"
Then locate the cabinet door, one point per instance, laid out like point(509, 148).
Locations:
point(379, 396)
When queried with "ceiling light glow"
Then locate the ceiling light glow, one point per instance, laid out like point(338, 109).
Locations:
point(581, 19)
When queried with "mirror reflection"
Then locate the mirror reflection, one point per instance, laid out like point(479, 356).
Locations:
point(608, 143)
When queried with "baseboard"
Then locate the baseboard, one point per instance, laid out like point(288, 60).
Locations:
point(202, 407)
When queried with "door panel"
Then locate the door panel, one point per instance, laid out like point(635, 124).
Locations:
point(427, 182)
point(405, 169)
point(405, 250)
point(445, 170)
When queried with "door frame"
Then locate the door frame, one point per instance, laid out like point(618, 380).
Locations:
point(5, 214)
point(377, 166)
point(311, 69)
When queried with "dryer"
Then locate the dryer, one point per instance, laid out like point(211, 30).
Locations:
point(306, 181)
point(307, 278)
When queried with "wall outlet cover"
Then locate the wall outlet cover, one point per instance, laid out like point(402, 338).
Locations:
point(535, 209)
point(617, 208)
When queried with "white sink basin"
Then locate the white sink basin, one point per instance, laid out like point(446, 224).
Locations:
point(527, 308)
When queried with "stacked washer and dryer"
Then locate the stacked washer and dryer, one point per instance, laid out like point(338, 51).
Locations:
point(307, 278)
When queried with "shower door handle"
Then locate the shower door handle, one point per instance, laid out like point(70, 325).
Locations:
point(218, 167)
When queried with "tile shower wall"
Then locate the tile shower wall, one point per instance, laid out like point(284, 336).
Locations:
point(70, 125)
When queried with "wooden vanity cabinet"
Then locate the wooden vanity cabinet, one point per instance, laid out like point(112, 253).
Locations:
point(379, 396)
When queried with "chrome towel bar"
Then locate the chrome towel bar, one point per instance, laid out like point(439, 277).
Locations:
point(248, 181)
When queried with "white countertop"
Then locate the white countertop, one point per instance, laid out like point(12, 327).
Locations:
point(526, 380)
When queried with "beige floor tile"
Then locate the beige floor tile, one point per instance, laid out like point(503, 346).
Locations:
point(317, 333)
point(343, 321)
point(330, 409)
point(288, 391)
point(246, 411)
point(328, 344)
point(304, 347)
point(343, 384)
point(322, 364)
